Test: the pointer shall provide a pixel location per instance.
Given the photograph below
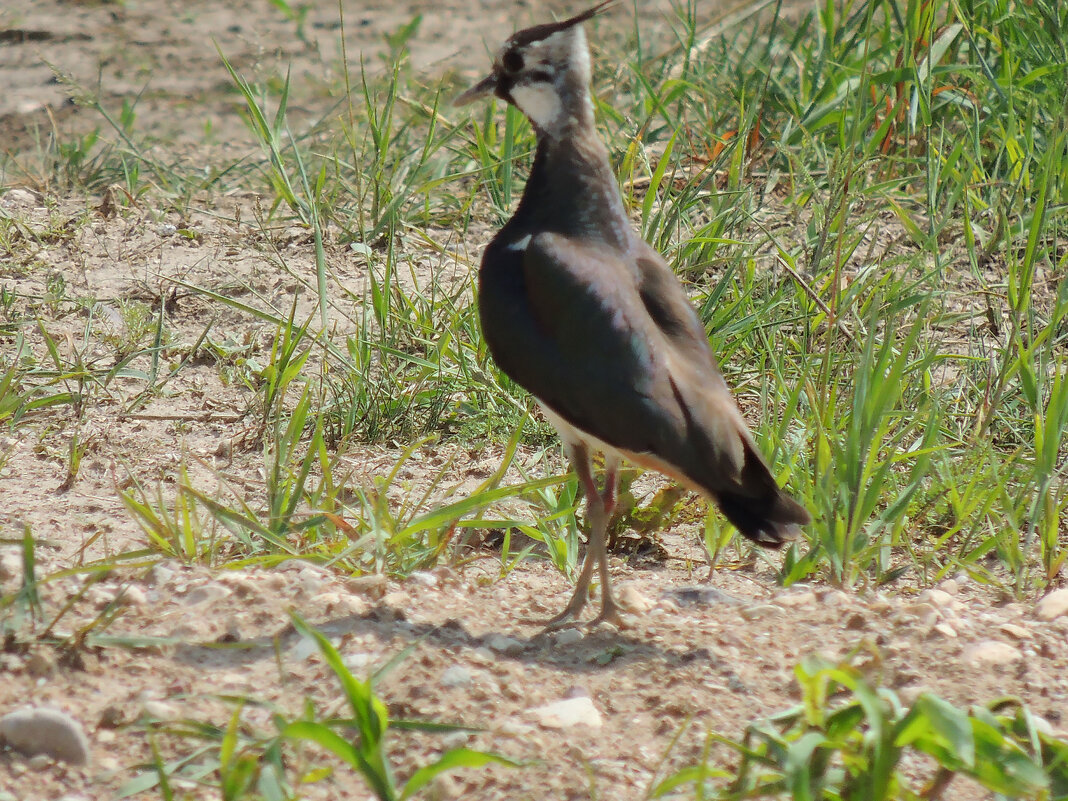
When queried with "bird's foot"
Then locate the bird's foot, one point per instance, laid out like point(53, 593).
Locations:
point(567, 619)
point(609, 614)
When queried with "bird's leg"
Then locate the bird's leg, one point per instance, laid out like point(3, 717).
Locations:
point(609, 609)
point(580, 461)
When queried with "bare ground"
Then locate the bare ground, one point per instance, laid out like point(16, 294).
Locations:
point(691, 659)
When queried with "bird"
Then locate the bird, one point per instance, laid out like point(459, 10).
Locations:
point(579, 310)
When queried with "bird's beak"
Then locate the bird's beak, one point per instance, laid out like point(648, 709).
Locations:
point(484, 87)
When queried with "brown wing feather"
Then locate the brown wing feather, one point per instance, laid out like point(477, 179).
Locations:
point(632, 367)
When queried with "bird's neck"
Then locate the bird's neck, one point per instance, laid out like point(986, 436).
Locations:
point(572, 190)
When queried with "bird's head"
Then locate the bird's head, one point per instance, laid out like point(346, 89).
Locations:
point(544, 71)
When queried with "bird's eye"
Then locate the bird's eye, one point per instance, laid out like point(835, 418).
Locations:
point(512, 61)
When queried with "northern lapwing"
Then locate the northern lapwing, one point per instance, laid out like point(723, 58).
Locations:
point(585, 315)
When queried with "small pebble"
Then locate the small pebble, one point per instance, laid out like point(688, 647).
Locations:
point(856, 622)
point(423, 577)
point(454, 739)
point(134, 596)
point(40, 665)
point(160, 574)
point(456, 676)
point(796, 599)
point(20, 197)
point(937, 598)
point(446, 787)
point(509, 646)
point(567, 637)
point(945, 630)
point(758, 611)
point(311, 579)
point(206, 594)
point(1014, 631)
point(568, 713)
point(48, 731)
point(10, 565)
point(950, 586)
point(837, 598)
point(631, 599)
point(1053, 605)
point(991, 652)
point(373, 585)
point(160, 710)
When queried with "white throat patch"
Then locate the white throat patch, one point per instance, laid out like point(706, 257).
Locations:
point(539, 102)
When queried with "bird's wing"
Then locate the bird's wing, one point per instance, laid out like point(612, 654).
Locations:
point(621, 355)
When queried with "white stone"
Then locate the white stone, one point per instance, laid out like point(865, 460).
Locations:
point(567, 713)
point(950, 586)
point(926, 613)
point(937, 598)
point(134, 596)
point(456, 676)
point(161, 573)
point(160, 710)
point(45, 731)
point(336, 603)
point(206, 594)
point(631, 599)
point(454, 739)
point(373, 584)
point(509, 646)
point(991, 652)
point(758, 611)
point(1053, 605)
point(796, 599)
point(837, 598)
point(945, 630)
point(357, 661)
point(515, 728)
point(1015, 631)
point(567, 637)
point(303, 649)
point(100, 596)
point(18, 195)
point(424, 577)
point(10, 565)
point(311, 579)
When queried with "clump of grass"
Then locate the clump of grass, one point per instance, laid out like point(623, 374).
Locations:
point(244, 763)
point(847, 739)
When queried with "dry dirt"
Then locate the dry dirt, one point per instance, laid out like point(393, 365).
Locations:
point(690, 659)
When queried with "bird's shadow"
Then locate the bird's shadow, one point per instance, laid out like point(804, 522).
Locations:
point(598, 648)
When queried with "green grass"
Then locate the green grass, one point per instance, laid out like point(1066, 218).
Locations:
point(847, 739)
point(869, 214)
point(255, 764)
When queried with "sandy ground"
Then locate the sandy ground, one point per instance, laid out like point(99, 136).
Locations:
point(188, 638)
